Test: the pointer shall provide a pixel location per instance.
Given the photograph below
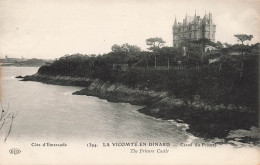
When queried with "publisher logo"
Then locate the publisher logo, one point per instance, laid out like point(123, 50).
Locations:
point(14, 151)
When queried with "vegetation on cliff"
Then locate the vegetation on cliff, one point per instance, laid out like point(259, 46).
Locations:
point(233, 79)
point(173, 83)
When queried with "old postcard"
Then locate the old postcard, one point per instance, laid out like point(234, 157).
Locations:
point(129, 82)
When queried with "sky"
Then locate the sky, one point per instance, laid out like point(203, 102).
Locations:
point(49, 29)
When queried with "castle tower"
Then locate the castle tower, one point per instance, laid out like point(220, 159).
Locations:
point(193, 28)
point(195, 19)
point(174, 29)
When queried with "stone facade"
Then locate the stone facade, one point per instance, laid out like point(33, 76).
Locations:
point(194, 28)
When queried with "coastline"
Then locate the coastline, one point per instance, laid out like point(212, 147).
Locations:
point(20, 65)
point(204, 120)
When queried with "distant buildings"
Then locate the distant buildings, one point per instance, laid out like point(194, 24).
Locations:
point(23, 62)
point(12, 60)
point(194, 28)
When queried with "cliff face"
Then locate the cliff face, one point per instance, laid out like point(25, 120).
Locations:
point(205, 120)
point(120, 93)
point(58, 80)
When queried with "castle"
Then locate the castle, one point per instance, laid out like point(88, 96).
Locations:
point(194, 28)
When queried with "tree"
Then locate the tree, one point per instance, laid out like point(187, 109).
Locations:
point(155, 44)
point(227, 45)
point(122, 53)
point(219, 45)
point(243, 37)
point(132, 49)
point(204, 42)
point(169, 52)
point(145, 56)
point(116, 48)
point(194, 51)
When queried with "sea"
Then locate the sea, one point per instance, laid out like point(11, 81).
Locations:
point(51, 112)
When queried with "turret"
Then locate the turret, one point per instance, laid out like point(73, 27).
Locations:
point(195, 20)
point(205, 19)
point(185, 21)
point(175, 23)
point(210, 18)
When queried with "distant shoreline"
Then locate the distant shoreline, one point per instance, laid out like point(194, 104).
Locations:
point(24, 62)
point(20, 65)
point(205, 121)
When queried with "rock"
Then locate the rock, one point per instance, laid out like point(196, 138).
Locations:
point(196, 97)
point(198, 104)
point(178, 102)
point(222, 106)
point(19, 76)
point(231, 107)
point(208, 108)
point(219, 107)
point(217, 140)
point(154, 111)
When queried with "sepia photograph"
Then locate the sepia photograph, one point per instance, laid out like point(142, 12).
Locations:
point(129, 82)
